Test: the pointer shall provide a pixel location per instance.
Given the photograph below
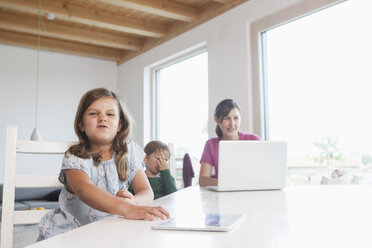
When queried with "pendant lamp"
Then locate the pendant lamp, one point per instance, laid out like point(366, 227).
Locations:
point(36, 133)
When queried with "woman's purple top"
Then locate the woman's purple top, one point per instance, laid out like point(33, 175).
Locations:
point(210, 153)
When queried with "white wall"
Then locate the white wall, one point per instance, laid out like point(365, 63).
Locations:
point(227, 38)
point(63, 79)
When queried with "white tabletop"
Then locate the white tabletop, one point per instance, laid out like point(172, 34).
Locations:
point(298, 216)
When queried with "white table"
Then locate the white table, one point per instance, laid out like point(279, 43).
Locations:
point(298, 216)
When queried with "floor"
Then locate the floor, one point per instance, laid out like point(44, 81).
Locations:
point(25, 235)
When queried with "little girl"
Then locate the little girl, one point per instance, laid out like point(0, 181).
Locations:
point(98, 170)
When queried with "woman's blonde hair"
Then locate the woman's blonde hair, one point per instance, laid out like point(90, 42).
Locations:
point(119, 146)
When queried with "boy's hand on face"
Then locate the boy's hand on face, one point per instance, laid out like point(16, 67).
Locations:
point(163, 165)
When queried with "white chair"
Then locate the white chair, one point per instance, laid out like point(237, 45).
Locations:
point(10, 217)
point(172, 161)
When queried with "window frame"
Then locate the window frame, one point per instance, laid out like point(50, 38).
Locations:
point(258, 77)
point(155, 87)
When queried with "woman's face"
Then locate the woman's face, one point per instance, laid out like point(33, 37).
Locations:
point(230, 125)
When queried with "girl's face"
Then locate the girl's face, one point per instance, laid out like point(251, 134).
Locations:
point(152, 161)
point(230, 125)
point(101, 122)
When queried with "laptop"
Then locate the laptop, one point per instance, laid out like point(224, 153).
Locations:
point(251, 165)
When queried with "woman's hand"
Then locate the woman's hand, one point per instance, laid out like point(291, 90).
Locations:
point(125, 195)
point(205, 175)
point(145, 213)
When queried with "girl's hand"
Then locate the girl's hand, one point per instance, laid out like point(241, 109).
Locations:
point(145, 213)
point(163, 165)
point(125, 195)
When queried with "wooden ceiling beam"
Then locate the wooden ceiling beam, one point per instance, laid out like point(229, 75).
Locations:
point(222, 1)
point(165, 8)
point(19, 39)
point(58, 31)
point(204, 16)
point(68, 12)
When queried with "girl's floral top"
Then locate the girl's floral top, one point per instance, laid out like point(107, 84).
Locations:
point(73, 212)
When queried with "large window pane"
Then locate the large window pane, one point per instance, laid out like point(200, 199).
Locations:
point(318, 88)
point(182, 104)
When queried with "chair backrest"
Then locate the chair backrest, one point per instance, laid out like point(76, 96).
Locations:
point(187, 171)
point(10, 217)
point(172, 161)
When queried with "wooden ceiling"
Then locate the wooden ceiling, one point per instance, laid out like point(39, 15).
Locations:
point(116, 30)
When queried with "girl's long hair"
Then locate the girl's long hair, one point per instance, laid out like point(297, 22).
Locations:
point(119, 146)
point(222, 110)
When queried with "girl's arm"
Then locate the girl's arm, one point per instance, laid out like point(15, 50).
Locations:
point(168, 182)
point(144, 194)
point(78, 182)
point(205, 176)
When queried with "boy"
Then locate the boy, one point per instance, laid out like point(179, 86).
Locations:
point(157, 170)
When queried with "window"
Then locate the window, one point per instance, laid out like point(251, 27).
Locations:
point(316, 85)
point(181, 103)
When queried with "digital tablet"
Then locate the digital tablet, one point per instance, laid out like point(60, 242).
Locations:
point(206, 222)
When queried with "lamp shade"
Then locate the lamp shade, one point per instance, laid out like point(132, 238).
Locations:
point(36, 135)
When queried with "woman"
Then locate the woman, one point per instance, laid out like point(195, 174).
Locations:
point(227, 116)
